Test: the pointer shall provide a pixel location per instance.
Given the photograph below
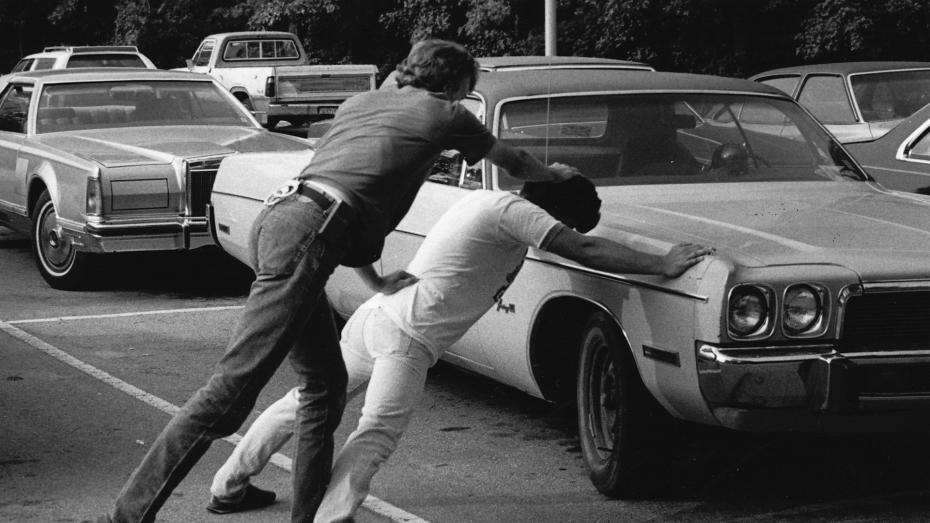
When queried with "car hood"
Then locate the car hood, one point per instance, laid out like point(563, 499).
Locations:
point(879, 234)
point(146, 145)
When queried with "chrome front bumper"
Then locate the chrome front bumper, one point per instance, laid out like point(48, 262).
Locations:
point(815, 388)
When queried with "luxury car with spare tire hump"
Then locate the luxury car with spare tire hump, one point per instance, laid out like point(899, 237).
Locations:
point(96, 161)
point(812, 315)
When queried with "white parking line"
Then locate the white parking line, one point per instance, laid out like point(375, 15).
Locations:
point(126, 314)
point(378, 506)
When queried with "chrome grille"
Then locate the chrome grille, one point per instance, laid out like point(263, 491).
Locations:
point(887, 321)
point(201, 173)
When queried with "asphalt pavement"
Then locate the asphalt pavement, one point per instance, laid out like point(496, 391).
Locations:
point(87, 379)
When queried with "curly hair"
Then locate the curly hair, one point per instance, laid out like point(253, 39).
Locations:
point(573, 202)
point(437, 66)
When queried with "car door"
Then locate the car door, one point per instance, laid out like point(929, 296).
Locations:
point(826, 97)
point(14, 106)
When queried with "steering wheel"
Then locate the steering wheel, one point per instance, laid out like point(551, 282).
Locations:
point(730, 158)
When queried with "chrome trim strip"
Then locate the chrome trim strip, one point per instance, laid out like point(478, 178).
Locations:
point(620, 279)
point(11, 208)
point(895, 286)
point(547, 67)
point(873, 354)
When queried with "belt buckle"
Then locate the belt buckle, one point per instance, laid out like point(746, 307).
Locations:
point(282, 192)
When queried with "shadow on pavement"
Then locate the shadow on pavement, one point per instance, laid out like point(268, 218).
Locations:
point(205, 272)
point(737, 474)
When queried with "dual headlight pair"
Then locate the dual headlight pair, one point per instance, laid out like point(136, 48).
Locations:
point(751, 310)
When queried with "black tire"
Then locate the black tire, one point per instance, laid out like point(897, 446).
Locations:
point(615, 413)
point(59, 263)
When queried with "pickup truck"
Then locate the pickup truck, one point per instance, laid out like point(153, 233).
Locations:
point(270, 73)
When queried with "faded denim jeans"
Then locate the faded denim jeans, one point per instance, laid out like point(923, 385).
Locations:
point(286, 313)
point(395, 366)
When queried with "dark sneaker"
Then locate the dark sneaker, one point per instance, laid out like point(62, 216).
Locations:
point(254, 498)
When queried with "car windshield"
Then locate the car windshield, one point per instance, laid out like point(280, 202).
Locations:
point(675, 138)
point(96, 105)
point(892, 95)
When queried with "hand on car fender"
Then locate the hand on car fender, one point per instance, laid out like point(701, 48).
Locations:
point(396, 281)
point(682, 257)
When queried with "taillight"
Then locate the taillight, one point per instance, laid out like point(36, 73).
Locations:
point(269, 87)
point(94, 201)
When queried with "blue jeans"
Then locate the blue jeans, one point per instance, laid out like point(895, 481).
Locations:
point(286, 313)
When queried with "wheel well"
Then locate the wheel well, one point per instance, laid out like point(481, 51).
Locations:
point(35, 189)
point(554, 346)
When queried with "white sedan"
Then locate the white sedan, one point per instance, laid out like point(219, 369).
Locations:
point(812, 315)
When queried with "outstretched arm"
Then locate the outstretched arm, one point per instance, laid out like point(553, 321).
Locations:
point(523, 165)
point(606, 255)
point(388, 284)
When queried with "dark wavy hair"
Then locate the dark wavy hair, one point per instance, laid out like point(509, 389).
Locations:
point(437, 66)
point(573, 202)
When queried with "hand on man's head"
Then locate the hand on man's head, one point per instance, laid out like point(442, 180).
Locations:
point(563, 172)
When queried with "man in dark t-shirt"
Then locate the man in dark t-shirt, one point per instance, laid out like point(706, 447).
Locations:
point(364, 175)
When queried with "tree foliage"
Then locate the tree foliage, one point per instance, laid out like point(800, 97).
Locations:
point(727, 37)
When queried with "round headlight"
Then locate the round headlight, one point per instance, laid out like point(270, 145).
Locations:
point(748, 310)
point(802, 309)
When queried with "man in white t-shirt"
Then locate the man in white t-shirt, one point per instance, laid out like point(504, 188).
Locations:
point(466, 262)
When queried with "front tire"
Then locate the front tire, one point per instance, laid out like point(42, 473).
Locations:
point(59, 263)
point(615, 418)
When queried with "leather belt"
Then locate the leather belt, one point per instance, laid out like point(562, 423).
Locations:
point(337, 213)
point(320, 197)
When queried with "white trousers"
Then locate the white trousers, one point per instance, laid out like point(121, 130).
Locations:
point(395, 365)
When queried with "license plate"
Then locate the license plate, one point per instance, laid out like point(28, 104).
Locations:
point(328, 109)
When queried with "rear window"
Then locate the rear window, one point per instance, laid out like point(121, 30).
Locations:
point(104, 60)
point(283, 49)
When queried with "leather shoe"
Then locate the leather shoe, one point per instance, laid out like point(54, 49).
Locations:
point(254, 498)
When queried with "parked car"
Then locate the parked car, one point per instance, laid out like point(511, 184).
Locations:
point(271, 74)
point(79, 57)
point(83, 56)
point(103, 160)
point(811, 316)
point(857, 101)
point(900, 159)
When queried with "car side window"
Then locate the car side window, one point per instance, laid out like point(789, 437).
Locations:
point(920, 148)
point(14, 104)
point(202, 57)
point(22, 65)
point(44, 63)
point(825, 97)
point(570, 130)
point(450, 167)
point(785, 84)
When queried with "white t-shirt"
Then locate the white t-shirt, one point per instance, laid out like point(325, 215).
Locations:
point(466, 262)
